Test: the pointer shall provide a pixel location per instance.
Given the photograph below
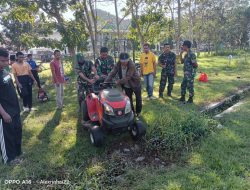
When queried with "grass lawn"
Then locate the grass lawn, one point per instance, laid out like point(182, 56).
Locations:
point(221, 161)
point(56, 147)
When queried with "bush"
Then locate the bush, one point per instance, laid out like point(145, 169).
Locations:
point(169, 135)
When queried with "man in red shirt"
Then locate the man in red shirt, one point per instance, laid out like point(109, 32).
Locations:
point(58, 77)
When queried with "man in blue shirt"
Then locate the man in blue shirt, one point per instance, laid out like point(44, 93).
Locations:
point(34, 70)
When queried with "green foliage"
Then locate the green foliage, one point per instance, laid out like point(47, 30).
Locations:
point(74, 34)
point(151, 23)
point(175, 131)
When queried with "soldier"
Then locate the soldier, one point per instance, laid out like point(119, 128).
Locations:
point(190, 66)
point(167, 61)
point(104, 64)
point(86, 74)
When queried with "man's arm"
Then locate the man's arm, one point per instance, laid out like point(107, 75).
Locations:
point(6, 117)
point(160, 62)
point(93, 68)
point(155, 64)
point(17, 81)
point(129, 75)
point(98, 67)
point(112, 73)
point(175, 66)
point(141, 64)
point(53, 73)
point(84, 77)
point(31, 75)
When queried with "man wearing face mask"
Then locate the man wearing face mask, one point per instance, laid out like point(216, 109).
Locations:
point(129, 80)
point(104, 64)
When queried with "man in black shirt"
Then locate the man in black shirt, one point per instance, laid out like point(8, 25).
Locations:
point(10, 122)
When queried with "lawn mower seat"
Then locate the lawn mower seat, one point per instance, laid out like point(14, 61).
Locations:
point(113, 95)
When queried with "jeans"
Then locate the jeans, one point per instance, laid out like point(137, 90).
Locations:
point(149, 83)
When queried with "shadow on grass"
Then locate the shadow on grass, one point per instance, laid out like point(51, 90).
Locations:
point(50, 126)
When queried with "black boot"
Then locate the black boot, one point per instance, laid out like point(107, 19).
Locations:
point(170, 90)
point(169, 93)
point(182, 99)
point(190, 100)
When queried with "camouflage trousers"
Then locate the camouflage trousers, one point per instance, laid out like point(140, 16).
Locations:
point(81, 92)
point(188, 83)
point(166, 77)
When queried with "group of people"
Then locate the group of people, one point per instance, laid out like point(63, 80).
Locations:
point(25, 74)
point(124, 72)
point(129, 78)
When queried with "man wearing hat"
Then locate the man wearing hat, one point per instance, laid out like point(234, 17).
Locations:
point(129, 80)
point(86, 75)
point(104, 64)
point(189, 68)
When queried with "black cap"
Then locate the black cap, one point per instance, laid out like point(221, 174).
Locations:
point(123, 57)
point(104, 50)
point(187, 43)
point(13, 57)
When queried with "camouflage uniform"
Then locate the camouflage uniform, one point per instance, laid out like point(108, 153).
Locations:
point(167, 73)
point(86, 69)
point(190, 66)
point(104, 66)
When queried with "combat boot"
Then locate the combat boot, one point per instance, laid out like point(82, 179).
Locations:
point(169, 93)
point(190, 100)
point(182, 99)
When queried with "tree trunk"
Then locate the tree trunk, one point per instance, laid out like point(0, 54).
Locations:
point(135, 18)
point(117, 19)
point(89, 25)
point(190, 26)
point(179, 28)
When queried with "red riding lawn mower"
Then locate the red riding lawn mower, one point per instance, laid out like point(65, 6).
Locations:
point(107, 109)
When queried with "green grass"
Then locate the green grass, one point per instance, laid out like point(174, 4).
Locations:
point(222, 161)
point(55, 146)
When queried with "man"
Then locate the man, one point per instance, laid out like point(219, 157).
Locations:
point(148, 69)
point(104, 64)
point(34, 69)
point(167, 61)
point(189, 68)
point(129, 80)
point(87, 74)
point(57, 71)
point(24, 80)
point(10, 122)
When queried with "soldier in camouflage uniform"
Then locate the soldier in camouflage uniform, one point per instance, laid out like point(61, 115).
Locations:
point(86, 75)
point(189, 68)
point(167, 61)
point(104, 64)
